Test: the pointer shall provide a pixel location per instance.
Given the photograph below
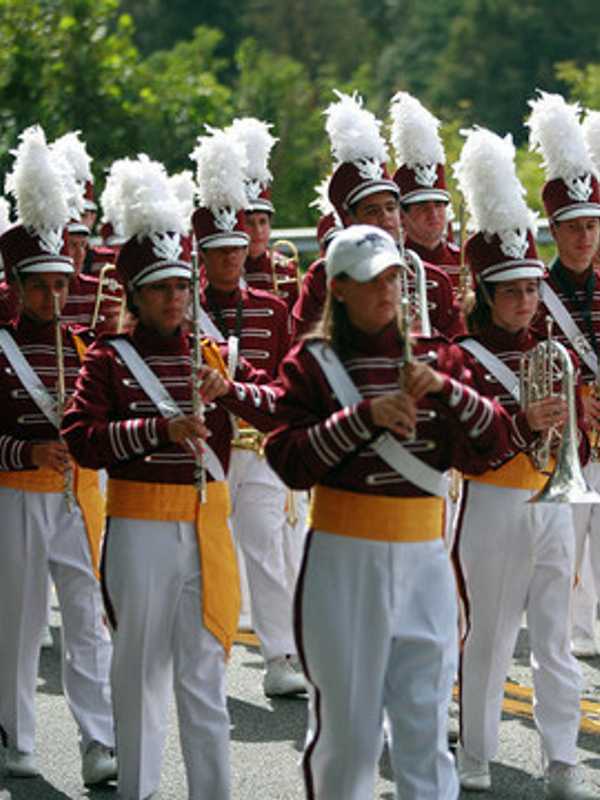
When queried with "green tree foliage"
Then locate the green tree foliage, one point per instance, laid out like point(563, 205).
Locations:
point(584, 83)
point(177, 93)
point(499, 51)
point(67, 65)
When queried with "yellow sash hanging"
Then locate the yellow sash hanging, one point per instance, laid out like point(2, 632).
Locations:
point(218, 563)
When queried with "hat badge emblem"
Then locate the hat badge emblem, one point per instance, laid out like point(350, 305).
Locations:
point(166, 245)
point(369, 169)
point(426, 174)
point(514, 243)
point(225, 219)
point(580, 187)
point(253, 189)
point(50, 241)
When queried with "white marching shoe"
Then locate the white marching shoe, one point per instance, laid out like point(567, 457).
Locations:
point(47, 642)
point(584, 646)
point(21, 765)
point(98, 764)
point(282, 678)
point(473, 774)
point(567, 782)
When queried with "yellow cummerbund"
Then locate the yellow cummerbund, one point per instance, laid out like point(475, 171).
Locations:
point(171, 502)
point(33, 480)
point(381, 519)
point(168, 502)
point(518, 473)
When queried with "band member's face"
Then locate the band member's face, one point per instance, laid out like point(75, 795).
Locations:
point(162, 305)
point(37, 294)
point(258, 227)
point(380, 209)
point(577, 241)
point(425, 223)
point(77, 246)
point(89, 218)
point(514, 304)
point(371, 305)
point(224, 266)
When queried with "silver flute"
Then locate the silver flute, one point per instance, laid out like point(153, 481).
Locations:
point(197, 403)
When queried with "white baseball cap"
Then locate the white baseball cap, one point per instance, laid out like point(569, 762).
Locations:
point(361, 252)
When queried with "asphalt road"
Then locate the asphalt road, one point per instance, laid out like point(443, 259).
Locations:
point(267, 740)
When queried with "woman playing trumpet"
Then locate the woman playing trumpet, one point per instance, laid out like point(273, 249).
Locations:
point(372, 633)
point(512, 557)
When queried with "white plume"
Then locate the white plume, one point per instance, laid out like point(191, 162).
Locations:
point(221, 167)
point(185, 190)
point(111, 199)
point(555, 132)
point(145, 199)
point(487, 178)
point(322, 202)
point(253, 135)
point(414, 132)
point(73, 149)
point(354, 132)
point(591, 135)
point(37, 183)
point(5, 222)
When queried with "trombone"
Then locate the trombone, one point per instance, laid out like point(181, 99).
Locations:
point(538, 369)
point(109, 289)
point(61, 397)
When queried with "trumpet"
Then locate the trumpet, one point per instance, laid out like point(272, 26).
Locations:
point(61, 396)
point(414, 276)
point(278, 257)
point(538, 369)
point(108, 287)
point(197, 404)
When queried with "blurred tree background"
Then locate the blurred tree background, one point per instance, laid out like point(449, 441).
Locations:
point(147, 75)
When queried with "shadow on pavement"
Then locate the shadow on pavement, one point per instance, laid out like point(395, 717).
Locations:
point(253, 723)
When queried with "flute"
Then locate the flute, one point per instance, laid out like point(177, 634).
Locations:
point(61, 398)
point(197, 404)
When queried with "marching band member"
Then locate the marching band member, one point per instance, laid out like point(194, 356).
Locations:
point(362, 192)
point(571, 295)
point(309, 305)
point(424, 198)
point(169, 574)
point(51, 510)
point(264, 268)
point(255, 324)
point(523, 562)
point(371, 634)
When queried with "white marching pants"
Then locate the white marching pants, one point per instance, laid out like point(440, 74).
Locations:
point(515, 557)
point(153, 589)
point(258, 520)
point(586, 518)
point(41, 539)
point(377, 631)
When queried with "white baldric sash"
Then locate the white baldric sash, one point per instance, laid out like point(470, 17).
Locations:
point(29, 378)
point(209, 327)
point(161, 398)
point(389, 449)
point(569, 327)
point(494, 366)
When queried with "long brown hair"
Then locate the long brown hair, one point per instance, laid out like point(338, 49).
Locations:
point(334, 325)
